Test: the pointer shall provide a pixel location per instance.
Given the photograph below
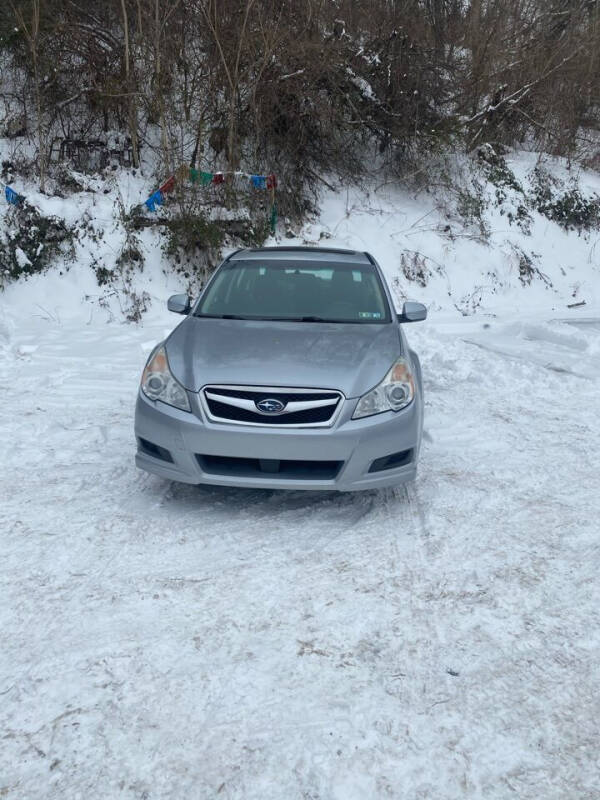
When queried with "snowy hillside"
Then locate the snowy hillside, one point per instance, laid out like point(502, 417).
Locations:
point(479, 247)
point(491, 266)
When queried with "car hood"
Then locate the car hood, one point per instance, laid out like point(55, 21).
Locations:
point(352, 358)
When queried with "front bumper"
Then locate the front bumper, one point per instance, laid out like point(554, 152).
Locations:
point(356, 444)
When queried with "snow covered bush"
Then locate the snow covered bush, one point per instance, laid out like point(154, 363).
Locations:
point(509, 194)
point(185, 234)
point(415, 268)
point(30, 242)
point(566, 206)
point(471, 205)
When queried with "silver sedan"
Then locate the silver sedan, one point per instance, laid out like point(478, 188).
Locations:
point(290, 371)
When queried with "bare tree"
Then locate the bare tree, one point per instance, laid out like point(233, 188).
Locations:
point(131, 94)
point(304, 87)
point(31, 31)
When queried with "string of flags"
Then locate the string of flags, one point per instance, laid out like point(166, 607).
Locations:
point(268, 182)
point(157, 198)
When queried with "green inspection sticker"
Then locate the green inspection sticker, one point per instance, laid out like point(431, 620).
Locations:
point(369, 315)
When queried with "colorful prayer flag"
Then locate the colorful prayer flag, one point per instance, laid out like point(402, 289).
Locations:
point(168, 186)
point(204, 177)
point(12, 198)
point(155, 199)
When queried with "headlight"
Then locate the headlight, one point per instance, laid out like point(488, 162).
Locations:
point(394, 392)
point(159, 384)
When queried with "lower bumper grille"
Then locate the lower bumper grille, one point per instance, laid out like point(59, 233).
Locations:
point(392, 461)
point(154, 450)
point(269, 468)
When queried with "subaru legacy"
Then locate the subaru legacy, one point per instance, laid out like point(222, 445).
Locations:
point(291, 370)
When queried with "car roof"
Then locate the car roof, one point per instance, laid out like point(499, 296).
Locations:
point(330, 254)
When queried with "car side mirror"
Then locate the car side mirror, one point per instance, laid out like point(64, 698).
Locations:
point(179, 304)
point(412, 312)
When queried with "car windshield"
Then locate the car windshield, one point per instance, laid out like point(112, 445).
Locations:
point(296, 291)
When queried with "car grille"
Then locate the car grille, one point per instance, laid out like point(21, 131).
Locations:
point(269, 468)
point(299, 407)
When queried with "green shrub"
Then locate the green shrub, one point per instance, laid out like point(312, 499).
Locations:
point(497, 171)
point(471, 205)
point(569, 208)
point(31, 242)
point(187, 233)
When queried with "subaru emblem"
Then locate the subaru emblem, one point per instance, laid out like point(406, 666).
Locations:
point(270, 406)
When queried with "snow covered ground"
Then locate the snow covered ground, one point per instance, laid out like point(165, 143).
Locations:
point(168, 641)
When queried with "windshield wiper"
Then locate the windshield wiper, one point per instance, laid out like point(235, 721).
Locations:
point(272, 319)
point(297, 319)
point(222, 316)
